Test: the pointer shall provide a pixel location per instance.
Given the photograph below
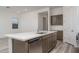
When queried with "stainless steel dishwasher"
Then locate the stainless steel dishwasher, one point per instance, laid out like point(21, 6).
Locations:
point(35, 45)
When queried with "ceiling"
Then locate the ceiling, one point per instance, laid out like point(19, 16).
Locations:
point(19, 9)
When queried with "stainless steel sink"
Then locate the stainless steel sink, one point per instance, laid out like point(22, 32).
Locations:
point(41, 32)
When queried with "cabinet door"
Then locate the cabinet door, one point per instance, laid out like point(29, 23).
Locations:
point(45, 44)
point(54, 39)
point(60, 35)
point(49, 43)
point(57, 20)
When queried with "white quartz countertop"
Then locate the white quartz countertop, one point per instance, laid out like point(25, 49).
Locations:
point(28, 35)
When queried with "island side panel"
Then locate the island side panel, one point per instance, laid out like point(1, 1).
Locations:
point(20, 46)
point(10, 45)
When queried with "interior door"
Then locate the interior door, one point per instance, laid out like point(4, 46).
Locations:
point(69, 29)
point(45, 23)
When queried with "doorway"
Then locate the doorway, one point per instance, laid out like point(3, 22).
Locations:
point(43, 21)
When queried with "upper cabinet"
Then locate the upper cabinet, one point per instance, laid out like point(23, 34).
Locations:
point(57, 19)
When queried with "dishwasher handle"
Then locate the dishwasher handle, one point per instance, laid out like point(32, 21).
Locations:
point(33, 40)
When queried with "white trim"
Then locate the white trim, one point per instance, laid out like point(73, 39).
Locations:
point(10, 45)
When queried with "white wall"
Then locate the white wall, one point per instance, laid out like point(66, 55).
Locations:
point(5, 22)
point(56, 11)
point(29, 21)
point(70, 16)
point(5, 27)
point(77, 20)
point(40, 20)
point(70, 23)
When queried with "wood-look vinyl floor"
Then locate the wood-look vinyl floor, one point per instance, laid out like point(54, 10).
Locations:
point(60, 48)
point(64, 48)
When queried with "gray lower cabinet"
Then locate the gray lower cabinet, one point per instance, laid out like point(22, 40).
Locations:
point(46, 44)
point(60, 35)
point(49, 42)
point(54, 40)
point(19, 46)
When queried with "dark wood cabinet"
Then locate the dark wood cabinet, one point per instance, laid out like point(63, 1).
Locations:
point(60, 35)
point(57, 20)
point(45, 44)
point(19, 46)
point(49, 42)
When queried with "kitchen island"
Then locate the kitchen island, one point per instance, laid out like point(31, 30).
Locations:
point(20, 42)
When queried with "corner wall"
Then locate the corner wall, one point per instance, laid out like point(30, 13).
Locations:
point(5, 22)
point(57, 11)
